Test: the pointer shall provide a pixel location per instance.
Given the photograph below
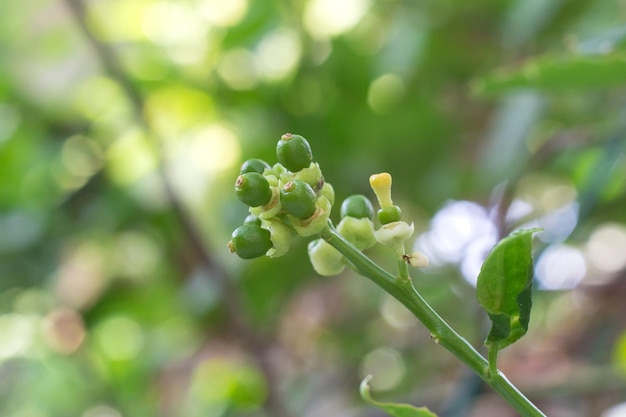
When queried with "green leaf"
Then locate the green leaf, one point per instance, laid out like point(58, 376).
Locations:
point(393, 409)
point(558, 73)
point(504, 288)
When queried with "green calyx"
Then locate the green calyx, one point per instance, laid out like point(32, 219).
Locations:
point(280, 235)
point(254, 165)
point(250, 241)
point(253, 189)
point(312, 175)
point(298, 199)
point(389, 214)
point(357, 206)
point(328, 192)
point(359, 232)
point(294, 152)
point(316, 222)
point(326, 260)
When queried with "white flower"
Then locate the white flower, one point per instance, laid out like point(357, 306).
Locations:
point(394, 234)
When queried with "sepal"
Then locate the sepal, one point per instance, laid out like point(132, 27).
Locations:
point(280, 235)
point(359, 232)
point(326, 260)
point(314, 224)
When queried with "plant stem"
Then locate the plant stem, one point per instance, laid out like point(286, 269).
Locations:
point(441, 332)
point(403, 272)
point(493, 360)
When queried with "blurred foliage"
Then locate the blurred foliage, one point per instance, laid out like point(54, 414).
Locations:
point(122, 127)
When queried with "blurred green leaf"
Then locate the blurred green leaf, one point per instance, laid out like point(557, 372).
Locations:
point(227, 381)
point(557, 73)
point(393, 409)
point(504, 288)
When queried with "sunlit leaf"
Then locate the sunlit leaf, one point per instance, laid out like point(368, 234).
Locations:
point(558, 73)
point(393, 409)
point(504, 288)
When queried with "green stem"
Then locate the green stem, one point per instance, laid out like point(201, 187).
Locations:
point(403, 272)
point(441, 332)
point(493, 360)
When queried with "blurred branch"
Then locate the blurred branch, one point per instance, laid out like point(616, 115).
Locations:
point(256, 346)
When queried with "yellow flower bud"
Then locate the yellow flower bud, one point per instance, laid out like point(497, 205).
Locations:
point(381, 184)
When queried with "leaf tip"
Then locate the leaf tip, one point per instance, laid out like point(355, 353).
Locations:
point(364, 388)
point(531, 230)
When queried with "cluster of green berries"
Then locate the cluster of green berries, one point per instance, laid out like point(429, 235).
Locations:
point(292, 198)
point(288, 198)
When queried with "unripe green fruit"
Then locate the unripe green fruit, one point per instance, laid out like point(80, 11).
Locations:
point(253, 189)
point(250, 241)
point(254, 165)
point(252, 219)
point(298, 199)
point(294, 152)
point(357, 206)
point(389, 214)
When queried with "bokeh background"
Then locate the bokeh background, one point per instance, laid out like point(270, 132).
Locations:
point(123, 124)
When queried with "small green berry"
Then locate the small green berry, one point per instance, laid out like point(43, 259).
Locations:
point(357, 206)
point(253, 189)
point(316, 222)
point(250, 241)
point(298, 199)
point(294, 152)
point(254, 165)
point(389, 214)
point(252, 219)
